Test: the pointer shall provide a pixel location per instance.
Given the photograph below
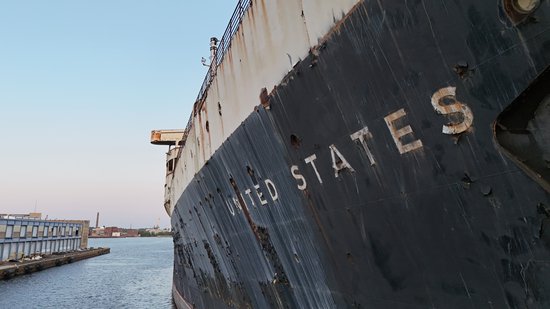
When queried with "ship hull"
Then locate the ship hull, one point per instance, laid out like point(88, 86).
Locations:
point(320, 200)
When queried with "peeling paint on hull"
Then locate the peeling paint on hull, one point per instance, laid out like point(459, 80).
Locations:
point(301, 207)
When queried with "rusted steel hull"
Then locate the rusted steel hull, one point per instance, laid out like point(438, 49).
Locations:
point(371, 176)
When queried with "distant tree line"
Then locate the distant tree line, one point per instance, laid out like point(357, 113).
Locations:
point(145, 233)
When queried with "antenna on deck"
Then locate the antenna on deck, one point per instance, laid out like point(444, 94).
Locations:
point(213, 48)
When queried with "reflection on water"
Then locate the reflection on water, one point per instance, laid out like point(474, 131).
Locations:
point(136, 274)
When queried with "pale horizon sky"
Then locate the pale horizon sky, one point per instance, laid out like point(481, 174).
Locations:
point(82, 84)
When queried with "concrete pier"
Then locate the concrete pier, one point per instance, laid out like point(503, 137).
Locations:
point(9, 270)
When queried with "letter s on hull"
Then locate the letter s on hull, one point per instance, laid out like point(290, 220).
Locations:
point(456, 107)
point(296, 174)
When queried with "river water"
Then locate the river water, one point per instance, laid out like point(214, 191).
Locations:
point(136, 274)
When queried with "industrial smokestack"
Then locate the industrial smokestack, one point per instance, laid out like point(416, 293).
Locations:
point(97, 221)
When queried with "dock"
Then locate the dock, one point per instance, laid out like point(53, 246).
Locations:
point(10, 270)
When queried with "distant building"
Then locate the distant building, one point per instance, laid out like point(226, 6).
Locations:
point(112, 232)
point(132, 233)
point(24, 235)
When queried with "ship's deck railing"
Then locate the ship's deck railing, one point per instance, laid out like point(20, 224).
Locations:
point(224, 43)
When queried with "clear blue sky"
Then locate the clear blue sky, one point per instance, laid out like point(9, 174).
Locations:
point(82, 83)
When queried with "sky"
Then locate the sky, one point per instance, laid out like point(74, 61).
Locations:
point(82, 84)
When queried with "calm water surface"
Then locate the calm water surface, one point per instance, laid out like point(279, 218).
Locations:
point(136, 274)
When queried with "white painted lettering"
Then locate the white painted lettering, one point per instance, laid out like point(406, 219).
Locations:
point(237, 203)
point(397, 134)
point(362, 136)
point(272, 190)
point(247, 192)
point(295, 173)
point(457, 107)
point(311, 159)
point(230, 207)
point(260, 195)
point(339, 163)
